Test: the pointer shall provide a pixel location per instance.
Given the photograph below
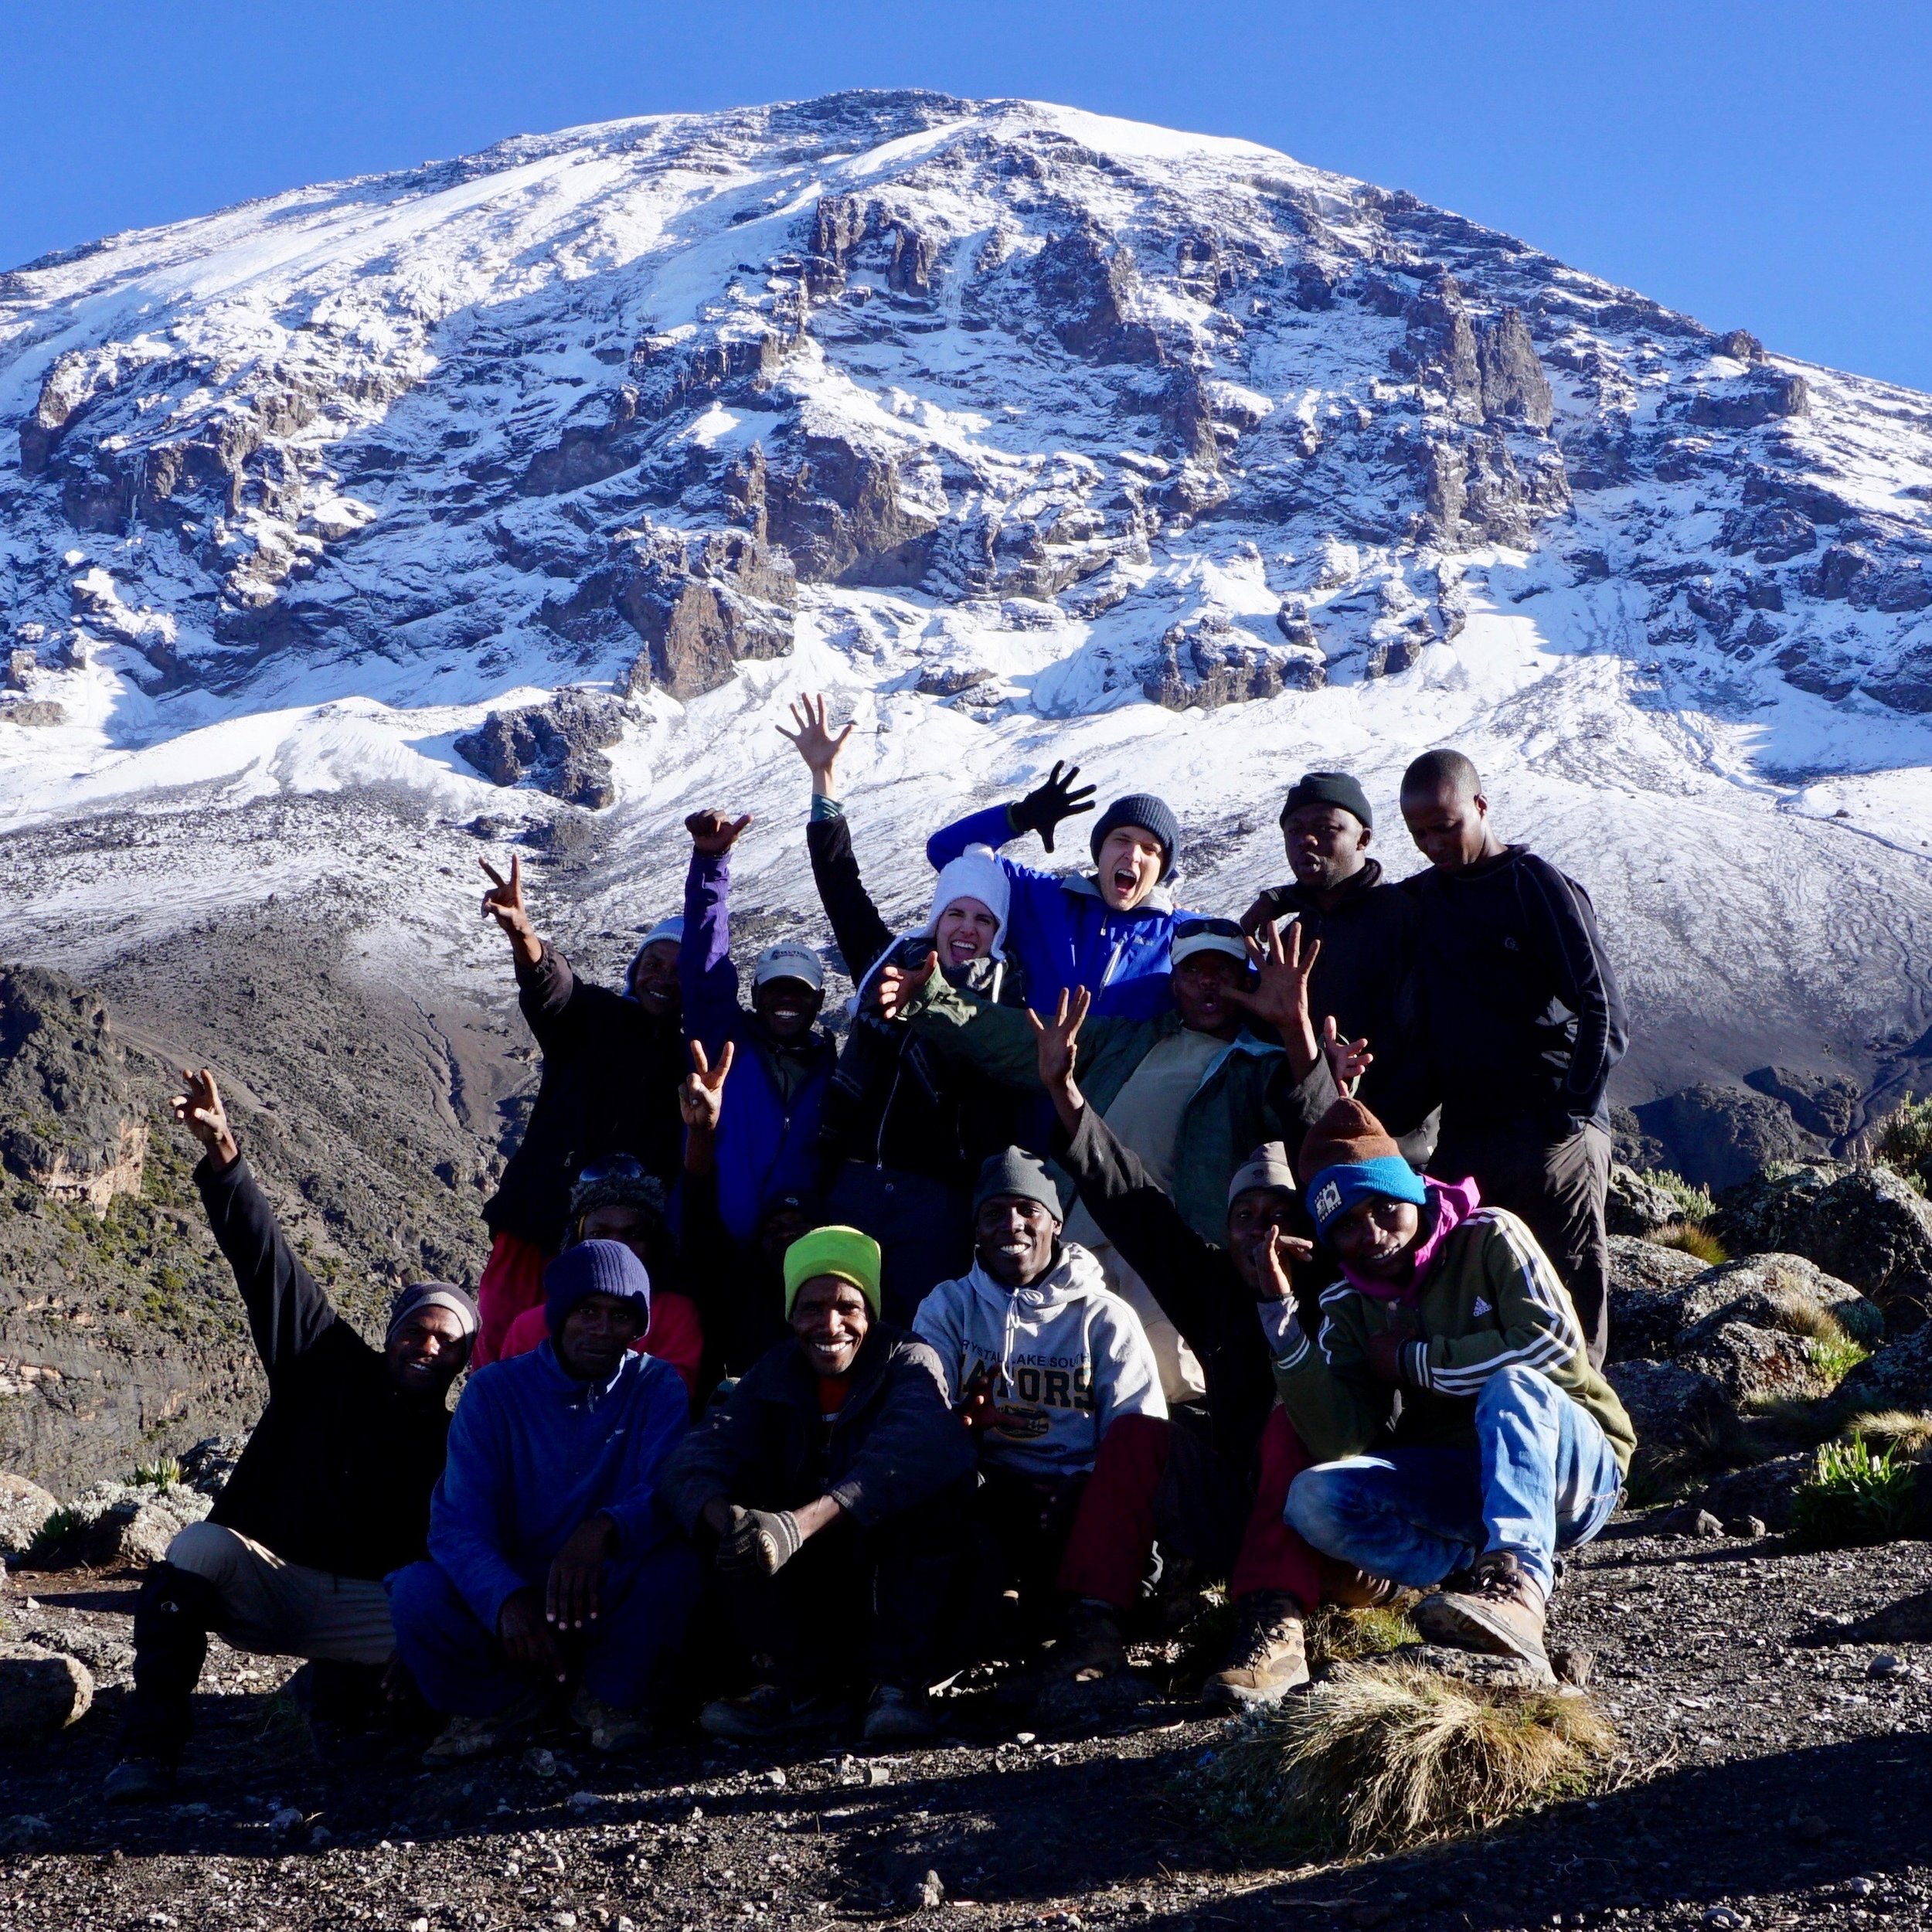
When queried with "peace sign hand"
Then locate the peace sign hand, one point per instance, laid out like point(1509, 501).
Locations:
point(1348, 1060)
point(701, 1098)
point(200, 1111)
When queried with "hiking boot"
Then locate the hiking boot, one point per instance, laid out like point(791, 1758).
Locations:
point(1501, 1612)
point(137, 1781)
point(768, 1711)
point(1091, 1649)
point(898, 1714)
point(1268, 1658)
point(1175, 1600)
point(607, 1729)
point(1349, 1588)
point(465, 1738)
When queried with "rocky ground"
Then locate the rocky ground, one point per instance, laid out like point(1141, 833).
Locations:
point(1776, 1769)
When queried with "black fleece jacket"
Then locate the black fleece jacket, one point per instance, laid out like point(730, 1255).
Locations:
point(1365, 978)
point(894, 1443)
point(894, 1102)
point(337, 1473)
point(1525, 1017)
point(611, 1073)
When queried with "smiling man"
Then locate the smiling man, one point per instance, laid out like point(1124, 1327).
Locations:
point(832, 1484)
point(1109, 929)
point(551, 1571)
point(332, 1493)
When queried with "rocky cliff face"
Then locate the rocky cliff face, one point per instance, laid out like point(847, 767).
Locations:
point(984, 414)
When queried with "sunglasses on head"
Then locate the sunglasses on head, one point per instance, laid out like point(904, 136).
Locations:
point(1199, 928)
point(612, 1167)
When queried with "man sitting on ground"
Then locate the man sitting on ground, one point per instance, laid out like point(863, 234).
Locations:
point(612, 1062)
point(836, 1483)
point(1045, 1364)
point(1509, 1445)
point(1109, 928)
point(549, 1562)
point(1232, 1305)
point(331, 1493)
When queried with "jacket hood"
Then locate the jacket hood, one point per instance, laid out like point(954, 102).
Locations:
point(1075, 1276)
point(1450, 1203)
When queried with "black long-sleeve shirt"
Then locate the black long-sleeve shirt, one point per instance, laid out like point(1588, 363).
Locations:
point(338, 1474)
point(1524, 1014)
point(611, 1073)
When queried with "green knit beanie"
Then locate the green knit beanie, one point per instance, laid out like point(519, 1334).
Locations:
point(845, 1252)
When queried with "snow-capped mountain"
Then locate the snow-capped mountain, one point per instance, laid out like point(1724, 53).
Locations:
point(1026, 434)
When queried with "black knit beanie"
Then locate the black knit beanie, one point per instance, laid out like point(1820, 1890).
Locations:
point(1335, 788)
point(1140, 808)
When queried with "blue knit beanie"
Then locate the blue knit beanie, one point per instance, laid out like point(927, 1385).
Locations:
point(1140, 808)
point(594, 1268)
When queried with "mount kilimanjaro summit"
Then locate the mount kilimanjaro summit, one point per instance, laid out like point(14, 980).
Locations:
point(510, 498)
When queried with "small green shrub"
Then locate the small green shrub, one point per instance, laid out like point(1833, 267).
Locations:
point(164, 1474)
point(1854, 1497)
point(1834, 1356)
point(1902, 1141)
point(51, 1535)
point(1694, 1239)
point(1691, 1203)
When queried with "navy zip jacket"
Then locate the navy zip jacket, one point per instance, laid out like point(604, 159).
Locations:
point(1525, 1017)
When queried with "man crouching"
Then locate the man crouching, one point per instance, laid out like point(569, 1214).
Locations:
point(332, 1493)
point(838, 1486)
point(549, 1563)
point(1509, 1445)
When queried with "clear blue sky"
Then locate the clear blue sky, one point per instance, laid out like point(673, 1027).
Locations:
point(1768, 166)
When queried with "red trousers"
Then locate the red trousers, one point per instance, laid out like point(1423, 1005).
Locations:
point(512, 1281)
point(1148, 1474)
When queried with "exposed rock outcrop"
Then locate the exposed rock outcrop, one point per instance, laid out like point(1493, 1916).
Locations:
point(559, 747)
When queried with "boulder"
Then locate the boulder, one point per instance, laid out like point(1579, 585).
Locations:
point(1870, 1227)
point(24, 1507)
point(558, 747)
point(1636, 1204)
point(1763, 1491)
point(1898, 1377)
point(1646, 1312)
point(42, 1692)
point(1719, 1136)
point(116, 1523)
point(1780, 1291)
point(1672, 1408)
point(1746, 1361)
point(1825, 1105)
point(1770, 1212)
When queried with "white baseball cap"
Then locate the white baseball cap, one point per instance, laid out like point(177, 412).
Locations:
point(790, 962)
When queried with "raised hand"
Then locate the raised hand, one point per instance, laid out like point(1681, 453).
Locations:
point(1279, 993)
point(1278, 1257)
point(504, 902)
point(1057, 1045)
point(200, 1111)
point(713, 833)
point(897, 987)
point(1045, 806)
point(815, 741)
point(1348, 1060)
point(1260, 916)
point(701, 1098)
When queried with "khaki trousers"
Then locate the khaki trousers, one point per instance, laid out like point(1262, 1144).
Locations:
point(285, 1609)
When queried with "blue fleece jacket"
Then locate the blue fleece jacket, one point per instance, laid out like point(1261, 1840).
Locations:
point(533, 1452)
point(1065, 934)
point(767, 1141)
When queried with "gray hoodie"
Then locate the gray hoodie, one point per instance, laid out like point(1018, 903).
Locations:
point(1066, 1356)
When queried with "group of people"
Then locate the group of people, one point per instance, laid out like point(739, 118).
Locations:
point(1109, 1251)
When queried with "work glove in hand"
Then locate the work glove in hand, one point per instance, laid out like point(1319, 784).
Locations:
point(759, 1543)
point(1045, 806)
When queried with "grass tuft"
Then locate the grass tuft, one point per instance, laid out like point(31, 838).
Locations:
point(1694, 1239)
point(1834, 1356)
point(1376, 1760)
point(1901, 1431)
point(1854, 1497)
point(1338, 1636)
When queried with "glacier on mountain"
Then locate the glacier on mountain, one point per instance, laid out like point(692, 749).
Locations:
point(516, 495)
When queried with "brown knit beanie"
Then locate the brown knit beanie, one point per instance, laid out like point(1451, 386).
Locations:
point(1346, 1136)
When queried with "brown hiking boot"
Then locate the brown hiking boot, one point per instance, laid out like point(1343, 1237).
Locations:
point(1349, 1588)
point(1091, 1649)
point(1268, 1658)
point(1501, 1612)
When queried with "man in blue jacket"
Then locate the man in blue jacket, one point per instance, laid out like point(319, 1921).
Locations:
point(768, 1143)
point(549, 1562)
point(1108, 930)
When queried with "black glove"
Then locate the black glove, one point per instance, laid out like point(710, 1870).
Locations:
point(1045, 806)
point(759, 1543)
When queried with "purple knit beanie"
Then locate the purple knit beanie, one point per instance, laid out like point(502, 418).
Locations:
point(594, 1268)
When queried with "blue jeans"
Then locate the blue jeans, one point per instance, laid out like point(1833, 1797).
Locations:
point(1541, 1476)
point(461, 1669)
